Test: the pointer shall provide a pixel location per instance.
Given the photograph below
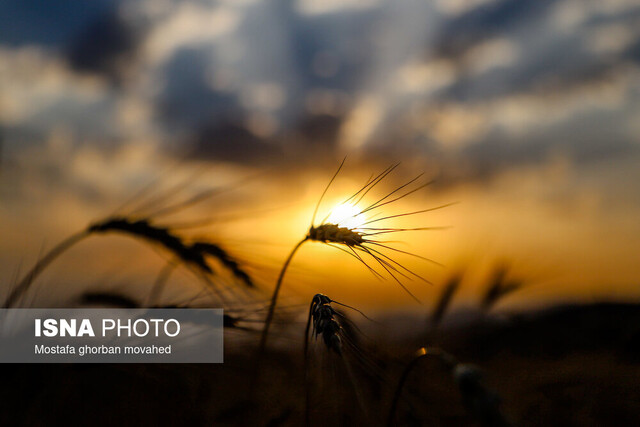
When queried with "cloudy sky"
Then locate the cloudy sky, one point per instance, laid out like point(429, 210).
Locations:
point(527, 112)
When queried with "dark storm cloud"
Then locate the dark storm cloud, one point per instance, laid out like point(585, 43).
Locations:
point(350, 51)
point(91, 35)
point(315, 60)
point(47, 23)
point(502, 18)
point(633, 52)
point(563, 64)
point(318, 129)
point(312, 137)
point(547, 57)
point(496, 155)
point(232, 142)
point(549, 60)
point(342, 41)
point(299, 53)
point(188, 102)
point(103, 46)
point(494, 18)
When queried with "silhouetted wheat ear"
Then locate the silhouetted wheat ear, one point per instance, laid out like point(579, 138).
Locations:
point(134, 218)
point(332, 233)
point(191, 254)
point(144, 229)
point(108, 299)
point(361, 240)
point(194, 253)
point(320, 321)
point(323, 321)
point(215, 251)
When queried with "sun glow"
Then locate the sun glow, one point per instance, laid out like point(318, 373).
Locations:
point(346, 215)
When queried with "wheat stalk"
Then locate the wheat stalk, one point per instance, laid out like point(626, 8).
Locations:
point(498, 287)
point(192, 254)
point(143, 228)
point(360, 240)
point(114, 299)
point(444, 301)
point(481, 403)
point(323, 320)
point(54, 253)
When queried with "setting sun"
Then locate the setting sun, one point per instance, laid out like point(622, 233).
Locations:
point(346, 215)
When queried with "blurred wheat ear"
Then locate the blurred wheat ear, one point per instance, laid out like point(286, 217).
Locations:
point(481, 403)
point(194, 254)
point(114, 299)
point(444, 302)
point(499, 286)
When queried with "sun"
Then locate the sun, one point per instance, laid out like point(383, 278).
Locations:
point(346, 215)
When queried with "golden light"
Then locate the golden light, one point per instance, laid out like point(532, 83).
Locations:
point(346, 215)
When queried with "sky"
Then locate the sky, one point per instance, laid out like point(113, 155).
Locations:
point(524, 112)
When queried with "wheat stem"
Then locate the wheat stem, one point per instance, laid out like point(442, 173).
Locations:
point(160, 283)
point(274, 297)
point(23, 286)
point(307, 385)
point(449, 361)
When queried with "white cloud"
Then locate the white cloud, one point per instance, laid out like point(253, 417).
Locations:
point(361, 122)
point(458, 7)
point(263, 96)
point(316, 7)
point(612, 38)
point(425, 77)
point(189, 24)
point(35, 84)
point(490, 54)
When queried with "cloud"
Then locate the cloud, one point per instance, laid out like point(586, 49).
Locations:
point(40, 92)
point(45, 23)
point(231, 142)
point(450, 78)
point(316, 7)
point(103, 47)
point(185, 26)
